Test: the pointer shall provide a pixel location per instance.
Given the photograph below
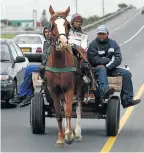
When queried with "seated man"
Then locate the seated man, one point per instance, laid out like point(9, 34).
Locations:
point(25, 92)
point(104, 54)
point(76, 38)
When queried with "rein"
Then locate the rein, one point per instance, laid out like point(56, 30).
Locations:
point(57, 37)
point(54, 43)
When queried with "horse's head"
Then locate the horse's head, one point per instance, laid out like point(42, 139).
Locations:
point(59, 25)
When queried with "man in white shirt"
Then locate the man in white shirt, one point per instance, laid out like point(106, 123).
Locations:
point(77, 38)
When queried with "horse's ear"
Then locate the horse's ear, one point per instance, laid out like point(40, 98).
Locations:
point(67, 11)
point(51, 10)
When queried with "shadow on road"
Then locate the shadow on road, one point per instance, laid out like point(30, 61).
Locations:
point(4, 105)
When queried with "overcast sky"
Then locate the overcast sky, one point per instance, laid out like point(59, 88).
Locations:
point(22, 9)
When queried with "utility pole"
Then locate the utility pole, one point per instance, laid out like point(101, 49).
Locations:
point(76, 6)
point(35, 12)
point(34, 17)
point(103, 8)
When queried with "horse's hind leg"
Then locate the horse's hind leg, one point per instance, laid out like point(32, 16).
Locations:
point(77, 131)
point(68, 96)
point(60, 140)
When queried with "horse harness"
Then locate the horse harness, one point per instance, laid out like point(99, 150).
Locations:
point(55, 43)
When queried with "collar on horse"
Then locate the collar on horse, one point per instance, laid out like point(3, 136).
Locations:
point(61, 70)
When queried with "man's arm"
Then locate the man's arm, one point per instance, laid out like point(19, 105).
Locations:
point(116, 58)
point(45, 51)
point(84, 42)
point(45, 48)
point(94, 58)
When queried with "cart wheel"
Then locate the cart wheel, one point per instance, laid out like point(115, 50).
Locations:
point(37, 114)
point(112, 117)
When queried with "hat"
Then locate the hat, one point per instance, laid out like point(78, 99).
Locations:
point(102, 29)
point(46, 27)
point(75, 17)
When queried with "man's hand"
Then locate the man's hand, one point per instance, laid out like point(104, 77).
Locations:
point(106, 59)
point(42, 66)
point(74, 49)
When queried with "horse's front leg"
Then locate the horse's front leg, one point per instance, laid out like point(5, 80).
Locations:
point(77, 131)
point(60, 140)
point(68, 96)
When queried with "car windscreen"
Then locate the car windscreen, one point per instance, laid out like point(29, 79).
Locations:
point(5, 53)
point(27, 40)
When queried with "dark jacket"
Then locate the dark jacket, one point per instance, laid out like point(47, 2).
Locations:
point(46, 50)
point(46, 45)
point(107, 53)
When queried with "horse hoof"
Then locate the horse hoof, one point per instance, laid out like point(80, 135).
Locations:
point(78, 138)
point(69, 138)
point(69, 142)
point(59, 144)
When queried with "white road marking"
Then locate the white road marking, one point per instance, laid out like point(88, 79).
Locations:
point(134, 36)
point(125, 22)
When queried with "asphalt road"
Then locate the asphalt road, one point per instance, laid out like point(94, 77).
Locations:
point(16, 133)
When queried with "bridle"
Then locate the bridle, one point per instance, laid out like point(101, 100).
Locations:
point(55, 38)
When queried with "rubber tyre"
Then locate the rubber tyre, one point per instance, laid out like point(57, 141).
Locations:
point(112, 117)
point(37, 114)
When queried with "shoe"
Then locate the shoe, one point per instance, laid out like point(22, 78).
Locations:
point(107, 92)
point(26, 101)
point(17, 100)
point(131, 103)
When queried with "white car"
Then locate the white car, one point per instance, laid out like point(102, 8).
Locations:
point(30, 44)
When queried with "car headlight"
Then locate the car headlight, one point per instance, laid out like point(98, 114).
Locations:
point(4, 77)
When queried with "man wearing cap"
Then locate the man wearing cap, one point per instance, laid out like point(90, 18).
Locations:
point(104, 54)
point(77, 38)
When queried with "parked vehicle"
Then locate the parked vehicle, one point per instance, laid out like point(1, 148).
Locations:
point(13, 64)
point(30, 44)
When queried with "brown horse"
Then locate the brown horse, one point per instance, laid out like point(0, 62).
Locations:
point(63, 79)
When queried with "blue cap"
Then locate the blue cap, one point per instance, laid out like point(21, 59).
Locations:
point(102, 29)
